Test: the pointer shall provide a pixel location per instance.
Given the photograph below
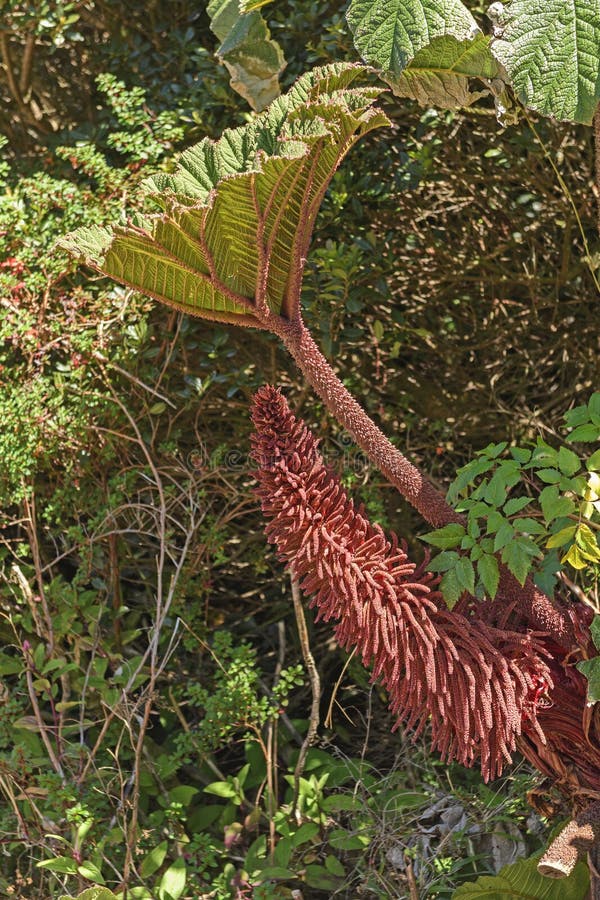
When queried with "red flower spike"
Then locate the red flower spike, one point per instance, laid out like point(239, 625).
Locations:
point(477, 684)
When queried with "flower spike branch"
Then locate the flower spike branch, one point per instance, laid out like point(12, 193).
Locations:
point(476, 684)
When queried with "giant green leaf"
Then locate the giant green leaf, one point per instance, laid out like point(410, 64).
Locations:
point(254, 61)
point(439, 74)
point(426, 49)
point(522, 881)
point(551, 51)
point(237, 214)
point(389, 33)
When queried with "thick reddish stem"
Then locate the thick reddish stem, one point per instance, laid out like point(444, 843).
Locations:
point(420, 493)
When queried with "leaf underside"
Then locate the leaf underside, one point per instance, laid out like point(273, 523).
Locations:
point(237, 214)
point(439, 75)
point(550, 49)
point(254, 61)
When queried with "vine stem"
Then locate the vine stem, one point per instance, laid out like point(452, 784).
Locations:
point(538, 609)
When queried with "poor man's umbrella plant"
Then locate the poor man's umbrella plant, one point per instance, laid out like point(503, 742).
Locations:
point(229, 243)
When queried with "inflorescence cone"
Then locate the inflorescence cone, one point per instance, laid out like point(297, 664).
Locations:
point(478, 685)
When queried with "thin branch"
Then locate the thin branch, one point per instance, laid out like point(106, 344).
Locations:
point(38, 718)
point(315, 686)
point(11, 77)
point(27, 64)
point(31, 526)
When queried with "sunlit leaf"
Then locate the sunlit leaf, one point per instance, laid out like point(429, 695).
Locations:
point(389, 33)
point(550, 50)
point(238, 213)
point(439, 74)
point(254, 61)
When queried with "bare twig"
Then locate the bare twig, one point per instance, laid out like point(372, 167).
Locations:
point(38, 717)
point(27, 64)
point(32, 533)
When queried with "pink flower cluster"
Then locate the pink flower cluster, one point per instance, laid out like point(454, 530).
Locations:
point(476, 684)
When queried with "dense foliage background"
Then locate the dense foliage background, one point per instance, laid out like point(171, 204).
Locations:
point(452, 281)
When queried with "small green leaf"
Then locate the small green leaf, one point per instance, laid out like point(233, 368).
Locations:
point(553, 505)
point(495, 492)
point(90, 871)
point(465, 574)
point(466, 475)
point(568, 462)
point(493, 451)
point(520, 454)
point(517, 560)
point(272, 872)
point(333, 865)
point(340, 839)
point(283, 852)
point(319, 878)
point(93, 893)
point(153, 860)
point(591, 669)
point(306, 832)
point(172, 884)
point(550, 476)
point(545, 575)
point(594, 404)
point(221, 789)
point(66, 865)
point(487, 569)
point(585, 434)
point(451, 588)
point(515, 505)
point(528, 525)
point(561, 537)
point(595, 631)
point(575, 558)
point(593, 463)
point(495, 521)
point(587, 543)
point(338, 802)
point(446, 537)
point(504, 535)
